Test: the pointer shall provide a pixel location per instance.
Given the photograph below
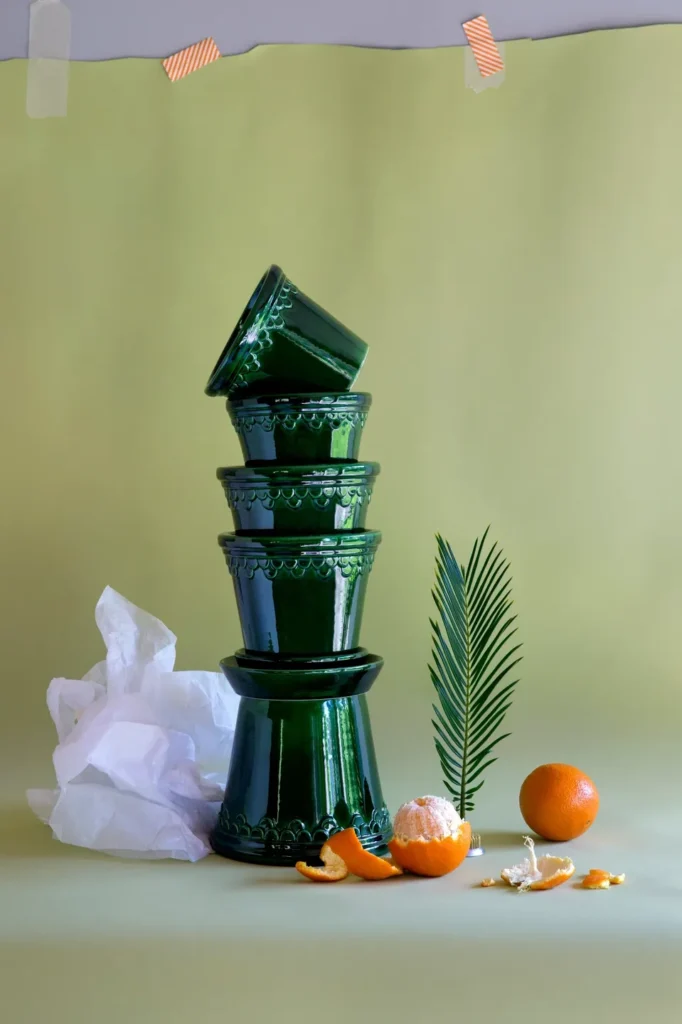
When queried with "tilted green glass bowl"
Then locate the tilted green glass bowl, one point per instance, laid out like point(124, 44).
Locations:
point(300, 428)
point(285, 342)
point(300, 595)
point(299, 499)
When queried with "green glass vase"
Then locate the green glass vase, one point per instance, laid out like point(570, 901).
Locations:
point(312, 680)
point(300, 770)
point(303, 764)
point(300, 595)
point(299, 499)
point(304, 428)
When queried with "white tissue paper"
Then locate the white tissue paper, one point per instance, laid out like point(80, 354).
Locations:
point(143, 751)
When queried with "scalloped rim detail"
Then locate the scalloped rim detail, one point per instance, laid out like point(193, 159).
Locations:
point(290, 421)
point(323, 566)
point(258, 338)
point(298, 831)
point(320, 497)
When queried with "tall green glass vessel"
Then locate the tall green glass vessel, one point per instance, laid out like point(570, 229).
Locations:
point(303, 763)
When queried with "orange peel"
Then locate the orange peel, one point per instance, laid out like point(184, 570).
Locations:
point(430, 838)
point(600, 879)
point(334, 868)
point(535, 873)
point(359, 861)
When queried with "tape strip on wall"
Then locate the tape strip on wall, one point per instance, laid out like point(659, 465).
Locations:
point(483, 57)
point(49, 49)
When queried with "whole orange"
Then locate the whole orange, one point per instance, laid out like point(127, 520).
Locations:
point(558, 802)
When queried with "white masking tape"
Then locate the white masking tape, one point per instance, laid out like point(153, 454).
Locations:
point(49, 48)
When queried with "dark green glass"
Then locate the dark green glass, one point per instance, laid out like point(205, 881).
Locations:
point(299, 499)
point(303, 428)
point(300, 770)
point(284, 342)
point(268, 659)
point(304, 682)
point(302, 763)
point(300, 595)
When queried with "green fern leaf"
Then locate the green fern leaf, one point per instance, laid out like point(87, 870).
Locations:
point(472, 657)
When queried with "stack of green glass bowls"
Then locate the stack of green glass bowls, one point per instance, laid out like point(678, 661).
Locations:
point(303, 763)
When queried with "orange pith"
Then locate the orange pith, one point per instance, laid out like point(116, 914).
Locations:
point(334, 869)
point(432, 857)
point(546, 872)
point(558, 802)
point(358, 860)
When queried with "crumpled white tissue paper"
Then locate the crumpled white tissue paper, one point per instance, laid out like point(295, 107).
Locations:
point(143, 751)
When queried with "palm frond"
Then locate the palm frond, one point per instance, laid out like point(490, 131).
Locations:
point(472, 657)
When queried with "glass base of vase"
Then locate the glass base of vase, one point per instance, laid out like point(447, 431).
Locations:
point(300, 770)
point(282, 854)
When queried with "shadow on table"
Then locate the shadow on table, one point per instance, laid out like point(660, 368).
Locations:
point(24, 837)
point(496, 839)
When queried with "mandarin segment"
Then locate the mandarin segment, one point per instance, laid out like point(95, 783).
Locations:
point(558, 802)
point(427, 817)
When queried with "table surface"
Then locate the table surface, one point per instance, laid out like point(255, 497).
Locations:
point(89, 937)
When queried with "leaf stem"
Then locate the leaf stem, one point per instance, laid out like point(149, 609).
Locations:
point(467, 702)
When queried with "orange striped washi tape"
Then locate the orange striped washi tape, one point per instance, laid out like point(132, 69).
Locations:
point(481, 41)
point(191, 59)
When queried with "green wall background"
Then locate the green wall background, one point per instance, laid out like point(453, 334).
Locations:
point(513, 259)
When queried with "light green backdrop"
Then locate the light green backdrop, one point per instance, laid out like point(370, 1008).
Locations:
point(513, 259)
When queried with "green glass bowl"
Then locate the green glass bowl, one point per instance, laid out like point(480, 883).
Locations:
point(300, 428)
point(299, 499)
point(285, 342)
point(298, 662)
point(300, 595)
point(275, 683)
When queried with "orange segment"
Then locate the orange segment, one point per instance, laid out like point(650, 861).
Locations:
point(357, 859)
point(432, 857)
point(334, 869)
